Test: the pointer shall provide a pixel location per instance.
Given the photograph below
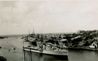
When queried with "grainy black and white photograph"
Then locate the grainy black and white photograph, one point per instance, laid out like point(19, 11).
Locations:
point(48, 30)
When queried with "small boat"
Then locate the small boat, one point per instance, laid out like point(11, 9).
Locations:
point(3, 37)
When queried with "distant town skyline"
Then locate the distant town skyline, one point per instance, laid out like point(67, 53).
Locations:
point(47, 16)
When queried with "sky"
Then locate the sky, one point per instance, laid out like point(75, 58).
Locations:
point(47, 16)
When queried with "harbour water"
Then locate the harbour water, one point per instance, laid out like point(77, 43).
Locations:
point(82, 55)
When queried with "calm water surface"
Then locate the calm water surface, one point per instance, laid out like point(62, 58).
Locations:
point(82, 55)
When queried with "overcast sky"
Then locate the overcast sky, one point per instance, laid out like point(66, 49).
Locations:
point(47, 16)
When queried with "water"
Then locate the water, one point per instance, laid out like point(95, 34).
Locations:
point(7, 50)
point(82, 55)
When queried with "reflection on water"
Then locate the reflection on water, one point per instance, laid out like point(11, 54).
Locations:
point(82, 55)
point(43, 57)
point(54, 58)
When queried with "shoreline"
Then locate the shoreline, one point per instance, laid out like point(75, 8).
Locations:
point(82, 48)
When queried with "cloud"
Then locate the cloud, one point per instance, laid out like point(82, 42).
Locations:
point(46, 16)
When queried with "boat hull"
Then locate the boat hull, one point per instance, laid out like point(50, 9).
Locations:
point(47, 52)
